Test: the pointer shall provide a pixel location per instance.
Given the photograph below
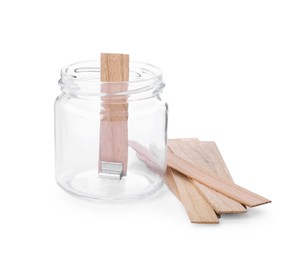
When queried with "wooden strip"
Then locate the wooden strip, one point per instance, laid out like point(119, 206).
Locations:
point(204, 176)
point(113, 145)
point(219, 202)
point(115, 68)
point(170, 182)
point(207, 154)
point(216, 161)
point(190, 150)
point(198, 209)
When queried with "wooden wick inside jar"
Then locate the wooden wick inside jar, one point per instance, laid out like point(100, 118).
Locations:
point(113, 144)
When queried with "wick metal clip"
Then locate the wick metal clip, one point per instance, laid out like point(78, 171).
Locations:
point(111, 170)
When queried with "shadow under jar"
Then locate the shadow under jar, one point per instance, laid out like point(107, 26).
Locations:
point(79, 112)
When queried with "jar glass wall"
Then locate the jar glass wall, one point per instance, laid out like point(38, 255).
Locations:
point(78, 113)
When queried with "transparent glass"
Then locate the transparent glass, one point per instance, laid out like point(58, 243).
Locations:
point(78, 113)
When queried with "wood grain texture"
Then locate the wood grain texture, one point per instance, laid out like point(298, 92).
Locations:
point(219, 202)
point(205, 176)
point(170, 182)
point(113, 145)
point(198, 209)
point(114, 68)
point(205, 154)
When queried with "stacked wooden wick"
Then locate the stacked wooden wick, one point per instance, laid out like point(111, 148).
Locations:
point(199, 178)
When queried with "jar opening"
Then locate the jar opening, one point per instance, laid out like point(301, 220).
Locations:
point(84, 78)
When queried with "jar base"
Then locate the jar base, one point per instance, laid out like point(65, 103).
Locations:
point(133, 187)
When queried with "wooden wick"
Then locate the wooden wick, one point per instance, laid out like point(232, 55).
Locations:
point(206, 154)
point(205, 176)
point(197, 207)
point(113, 146)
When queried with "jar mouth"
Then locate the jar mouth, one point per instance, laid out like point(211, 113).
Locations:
point(84, 77)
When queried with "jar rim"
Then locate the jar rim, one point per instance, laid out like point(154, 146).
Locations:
point(70, 71)
point(84, 78)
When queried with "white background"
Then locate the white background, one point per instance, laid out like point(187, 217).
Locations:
point(235, 73)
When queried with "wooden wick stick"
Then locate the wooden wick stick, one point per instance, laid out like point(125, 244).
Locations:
point(206, 154)
point(205, 176)
point(197, 207)
point(113, 146)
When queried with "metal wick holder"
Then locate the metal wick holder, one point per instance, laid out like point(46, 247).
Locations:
point(111, 170)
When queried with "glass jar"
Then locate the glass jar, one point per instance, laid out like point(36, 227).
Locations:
point(80, 112)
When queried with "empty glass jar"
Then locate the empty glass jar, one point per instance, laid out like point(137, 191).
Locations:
point(86, 130)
